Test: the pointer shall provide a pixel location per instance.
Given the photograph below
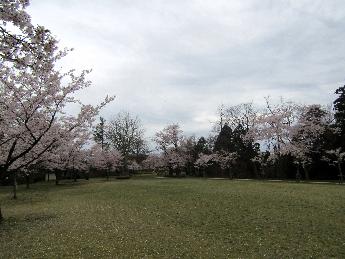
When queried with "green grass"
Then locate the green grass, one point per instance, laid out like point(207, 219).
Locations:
point(174, 218)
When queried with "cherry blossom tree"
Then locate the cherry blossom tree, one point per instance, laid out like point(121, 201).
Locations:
point(68, 154)
point(274, 125)
point(261, 161)
point(154, 162)
point(170, 136)
point(306, 137)
point(134, 166)
point(295, 130)
point(176, 160)
point(226, 160)
point(204, 161)
point(33, 93)
point(169, 141)
point(105, 159)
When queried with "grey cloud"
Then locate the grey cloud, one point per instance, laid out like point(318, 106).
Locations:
point(176, 61)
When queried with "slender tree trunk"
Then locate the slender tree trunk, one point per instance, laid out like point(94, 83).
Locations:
point(27, 178)
point(306, 172)
point(341, 177)
point(15, 185)
point(107, 172)
point(1, 216)
point(298, 174)
point(263, 173)
point(125, 164)
point(230, 173)
point(277, 167)
point(256, 171)
point(75, 175)
point(57, 177)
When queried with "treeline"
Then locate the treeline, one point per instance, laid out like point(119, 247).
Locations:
point(283, 140)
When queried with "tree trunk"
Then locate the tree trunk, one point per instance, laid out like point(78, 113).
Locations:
point(298, 174)
point(27, 178)
point(256, 170)
point(306, 172)
point(204, 172)
point(277, 167)
point(170, 171)
point(341, 177)
point(57, 177)
point(107, 172)
point(75, 175)
point(125, 164)
point(263, 172)
point(15, 185)
point(1, 216)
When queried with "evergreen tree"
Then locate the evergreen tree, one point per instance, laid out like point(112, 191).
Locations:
point(99, 134)
point(339, 107)
point(202, 147)
point(224, 140)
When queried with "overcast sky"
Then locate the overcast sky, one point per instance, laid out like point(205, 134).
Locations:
point(178, 60)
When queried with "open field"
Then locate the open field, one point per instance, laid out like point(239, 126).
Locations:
point(171, 218)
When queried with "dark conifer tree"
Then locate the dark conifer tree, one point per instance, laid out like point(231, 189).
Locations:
point(224, 140)
point(339, 107)
point(99, 134)
point(202, 147)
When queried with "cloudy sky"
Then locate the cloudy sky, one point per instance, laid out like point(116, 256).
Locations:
point(176, 61)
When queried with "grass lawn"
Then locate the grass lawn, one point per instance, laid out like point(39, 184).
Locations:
point(174, 218)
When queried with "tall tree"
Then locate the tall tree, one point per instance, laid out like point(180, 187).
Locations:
point(307, 137)
point(124, 134)
point(170, 136)
point(224, 140)
point(104, 159)
point(170, 141)
point(339, 115)
point(336, 158)
point(202, 146)
point(274, 127)
point(243, 114)
point(99, 133)
point(33, 93)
